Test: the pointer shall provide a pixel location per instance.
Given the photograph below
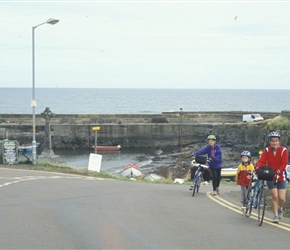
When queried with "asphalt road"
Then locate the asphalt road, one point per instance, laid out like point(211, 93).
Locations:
point(42, 210)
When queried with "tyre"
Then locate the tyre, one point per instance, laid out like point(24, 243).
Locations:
point(261, 205)
point(249, 201)
point(195, 181)
point(198, 181)
point(197, 188)
point(250, 198)
point(194, 189)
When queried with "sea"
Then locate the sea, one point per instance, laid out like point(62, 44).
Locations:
point(136, 101)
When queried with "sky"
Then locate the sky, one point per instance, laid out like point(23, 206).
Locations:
point(146, 44)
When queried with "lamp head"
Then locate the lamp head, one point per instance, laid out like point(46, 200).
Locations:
point(52, 21)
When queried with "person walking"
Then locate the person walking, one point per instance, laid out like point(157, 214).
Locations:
point(243, 175)
point(214, 154)
point(276, 157)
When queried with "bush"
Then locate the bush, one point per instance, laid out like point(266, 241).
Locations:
point(279, 123)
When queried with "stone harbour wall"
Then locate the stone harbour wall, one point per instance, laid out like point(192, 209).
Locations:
point(143, 131)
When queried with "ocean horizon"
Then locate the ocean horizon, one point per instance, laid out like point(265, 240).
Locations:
point(141, 101)
point(136, 101)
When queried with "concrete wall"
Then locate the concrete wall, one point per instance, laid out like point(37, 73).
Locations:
point(136, 131)
point(135, 135)
point(169, 117)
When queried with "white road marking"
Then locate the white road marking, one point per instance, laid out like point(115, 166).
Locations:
point(31, 178)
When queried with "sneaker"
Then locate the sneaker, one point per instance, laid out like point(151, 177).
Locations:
point(275, 219)
point(280, 212)
point(214, 193)
point(248, 214)
point(218, 190)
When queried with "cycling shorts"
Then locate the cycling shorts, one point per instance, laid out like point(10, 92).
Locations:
point(279, 185)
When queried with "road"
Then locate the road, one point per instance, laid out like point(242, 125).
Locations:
point(41, 210)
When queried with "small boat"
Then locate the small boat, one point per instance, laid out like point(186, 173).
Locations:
point(131, 171)
point(153, 177)
point(229, 173)
point(27, 149)
point(107, 148)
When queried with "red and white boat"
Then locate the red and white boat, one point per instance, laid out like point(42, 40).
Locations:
point(107, 148)
point(131, 171)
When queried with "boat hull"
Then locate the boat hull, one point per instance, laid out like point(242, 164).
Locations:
point(107, 148)
point(27, 149)
point(229, 173)
point(131, 172)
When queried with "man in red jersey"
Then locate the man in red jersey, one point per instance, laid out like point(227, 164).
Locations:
point(276, 157)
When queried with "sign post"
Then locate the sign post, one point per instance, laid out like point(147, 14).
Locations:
point(96, 129)
point(95, 159)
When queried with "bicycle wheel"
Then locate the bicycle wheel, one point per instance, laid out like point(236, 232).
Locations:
point(195, 181)
point(198, 182)
point(261, 204)
point(249, 200)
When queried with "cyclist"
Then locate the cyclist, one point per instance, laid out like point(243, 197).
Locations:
point(214, 154)
point(243, 175)
point(276, 157)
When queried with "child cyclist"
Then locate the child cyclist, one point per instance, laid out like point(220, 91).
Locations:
point(243, 174)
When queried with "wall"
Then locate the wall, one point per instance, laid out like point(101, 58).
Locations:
point(137, 131)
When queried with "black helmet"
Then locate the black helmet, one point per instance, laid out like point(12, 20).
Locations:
point(246, 153)
point(274, 134)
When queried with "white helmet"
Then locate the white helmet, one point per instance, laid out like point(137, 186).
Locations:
point(274, 134)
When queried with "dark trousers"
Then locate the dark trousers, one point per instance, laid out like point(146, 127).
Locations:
point(216, 177)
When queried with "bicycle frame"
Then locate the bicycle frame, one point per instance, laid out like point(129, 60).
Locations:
point(197, 179)
point(256, 197)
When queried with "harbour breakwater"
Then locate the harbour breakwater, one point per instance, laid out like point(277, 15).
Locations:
point(166, 130)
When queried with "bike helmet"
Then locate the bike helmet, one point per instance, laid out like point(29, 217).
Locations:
point(274, 134)
point(211, 137)
point(246, 153)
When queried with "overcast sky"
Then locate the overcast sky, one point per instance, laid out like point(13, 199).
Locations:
point(146, 44)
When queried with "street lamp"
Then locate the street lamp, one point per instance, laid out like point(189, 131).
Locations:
point(180, 144)
point(33, 102)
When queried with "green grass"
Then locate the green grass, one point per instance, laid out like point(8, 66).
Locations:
point(60, 168)
point(280, 123)
point(286, 211)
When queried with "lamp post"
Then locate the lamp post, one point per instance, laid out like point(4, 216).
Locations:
point(180, 144)
point(33, 102)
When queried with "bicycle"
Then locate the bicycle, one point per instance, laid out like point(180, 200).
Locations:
point(199, 171)
point(256, 196)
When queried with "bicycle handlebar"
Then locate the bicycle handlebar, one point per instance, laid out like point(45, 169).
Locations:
point(253, 174)
point(194, 163)
point(276, 178)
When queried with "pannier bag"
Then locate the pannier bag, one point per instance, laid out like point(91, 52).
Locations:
point(265, 173)
point(206, 175)
point(200, 159)
point(193, 170)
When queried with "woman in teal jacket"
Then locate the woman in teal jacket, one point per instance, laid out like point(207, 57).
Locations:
point(214, 154)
